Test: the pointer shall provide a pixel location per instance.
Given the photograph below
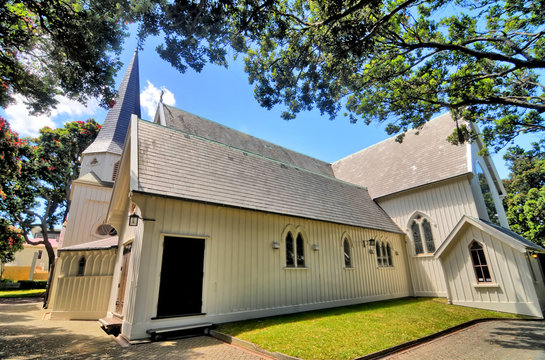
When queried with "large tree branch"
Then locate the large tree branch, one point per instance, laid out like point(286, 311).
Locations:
point(530, 64)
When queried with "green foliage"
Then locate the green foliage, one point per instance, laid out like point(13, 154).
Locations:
point(32, 284)
point(39, 174)
point(525, 200)
point(51, 47)
point(393, 61)
point(13, 152)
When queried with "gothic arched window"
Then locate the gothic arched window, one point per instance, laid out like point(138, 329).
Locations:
point(422, 235)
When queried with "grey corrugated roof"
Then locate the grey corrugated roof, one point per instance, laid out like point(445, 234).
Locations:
point(176, 164)
point(389, 167)
point(114, 129)
point(196, 125)
point(102, 244)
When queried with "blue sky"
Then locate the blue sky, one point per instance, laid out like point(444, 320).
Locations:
point(225, 96)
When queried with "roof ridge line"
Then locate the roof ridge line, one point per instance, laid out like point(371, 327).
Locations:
point(255, 137)
point(254, 154)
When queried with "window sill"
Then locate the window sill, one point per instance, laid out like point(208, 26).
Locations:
point(349, 268)
point(386, 267)
point(486, 285)
point(296, 268)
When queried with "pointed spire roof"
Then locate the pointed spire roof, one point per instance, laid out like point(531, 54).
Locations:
point(114, 129)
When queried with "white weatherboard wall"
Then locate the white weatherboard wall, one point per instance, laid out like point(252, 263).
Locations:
point(244, 277)
point(87, 211)
point(87, 296)
point(444, 203)
point(512, 288)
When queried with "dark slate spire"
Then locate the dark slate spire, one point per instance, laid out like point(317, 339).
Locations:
point(112, 134)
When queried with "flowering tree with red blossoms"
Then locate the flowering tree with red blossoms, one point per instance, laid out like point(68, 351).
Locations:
point(37, 179)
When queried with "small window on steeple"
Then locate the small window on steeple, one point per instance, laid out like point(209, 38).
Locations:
point(94, 161)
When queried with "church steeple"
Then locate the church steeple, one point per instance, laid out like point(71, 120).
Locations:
point(111, 137)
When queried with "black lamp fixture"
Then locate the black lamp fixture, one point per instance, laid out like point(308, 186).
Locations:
point(370, 242)
point(133, 220)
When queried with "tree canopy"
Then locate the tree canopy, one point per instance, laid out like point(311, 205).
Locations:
point(50, 48)
point(525, 201)
point(393, 61)
point(35, 187)
point(12, 149)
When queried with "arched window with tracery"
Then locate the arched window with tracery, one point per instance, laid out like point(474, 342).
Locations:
point(422, 235)
point(295, 249)
point(480, 265)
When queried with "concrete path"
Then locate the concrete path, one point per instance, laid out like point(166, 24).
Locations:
point(492, 340)
point(25, 335)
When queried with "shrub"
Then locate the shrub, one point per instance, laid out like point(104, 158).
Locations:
point(31, 284)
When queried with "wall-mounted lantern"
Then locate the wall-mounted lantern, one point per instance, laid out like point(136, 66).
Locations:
point(133, 220)
point(370, 242)
point(315, 247)
point(275, 245)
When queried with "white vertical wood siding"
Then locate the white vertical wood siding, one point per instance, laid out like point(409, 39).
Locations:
point(444, 203)
point(87, 296)
point(89, 207)
point(512, 289)
point(244, 277)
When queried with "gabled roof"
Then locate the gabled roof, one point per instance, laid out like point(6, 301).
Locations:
point(92, 179)
point(102, 244)
point(507, 236)
point(424, 158)
point(114, 129)
point(196, 125)
point(177, 164)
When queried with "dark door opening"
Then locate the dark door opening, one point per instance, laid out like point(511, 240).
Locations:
point(180, 288)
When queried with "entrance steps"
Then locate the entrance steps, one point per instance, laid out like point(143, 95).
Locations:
point(111, 325)
point(193, 329)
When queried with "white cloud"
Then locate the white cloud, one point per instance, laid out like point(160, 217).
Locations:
point(149, 98)
point(28, 125)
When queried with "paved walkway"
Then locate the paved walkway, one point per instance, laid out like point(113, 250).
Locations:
point(24, 335)
point(492, 340)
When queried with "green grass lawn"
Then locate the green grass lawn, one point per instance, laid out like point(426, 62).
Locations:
point(354, 331)
point(21, 293)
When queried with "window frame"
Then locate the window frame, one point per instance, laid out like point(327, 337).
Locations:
point(383, 251)
point(298, 248)
point(347, 261)
point(486, 265)
point(417, 222)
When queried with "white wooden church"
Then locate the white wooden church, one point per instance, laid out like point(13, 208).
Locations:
point(182, 222)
